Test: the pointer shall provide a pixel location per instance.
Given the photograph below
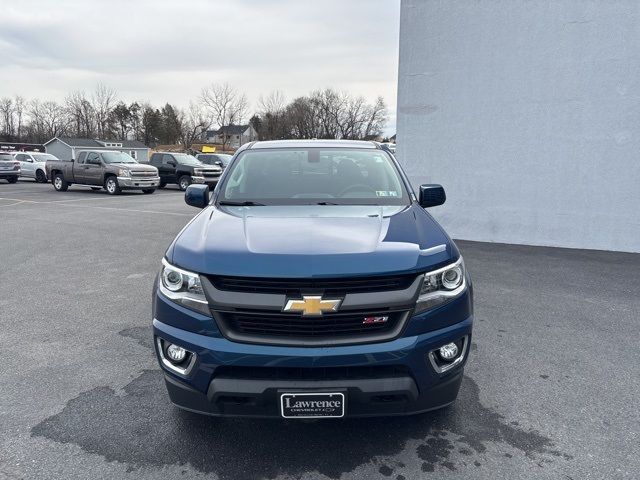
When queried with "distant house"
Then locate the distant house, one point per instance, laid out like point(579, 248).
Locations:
point(66, 148)
point(232, 135)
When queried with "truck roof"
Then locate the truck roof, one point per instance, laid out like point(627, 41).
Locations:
point(313, 144)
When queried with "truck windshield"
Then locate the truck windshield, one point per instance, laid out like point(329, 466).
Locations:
point(117, 157)
point(184, 159)
point(314, 176)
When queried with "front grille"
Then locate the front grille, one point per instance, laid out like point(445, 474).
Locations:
point(312, 373)
point(297, 287)
point(143, 174)
point(295, 329)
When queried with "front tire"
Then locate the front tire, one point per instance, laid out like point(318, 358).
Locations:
point(148, 191)
point(12, 179)
point(162, 184)
point(41, 177)
point(59, 183)
point(111, 186)
point(184, 181)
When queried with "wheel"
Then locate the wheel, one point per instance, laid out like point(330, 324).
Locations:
point(162, 184)
point(96, 188)
point(111, 186)
point(12, 179)
point(59, 183)
point(41, 177)
point(184, 182)
point(147, 191)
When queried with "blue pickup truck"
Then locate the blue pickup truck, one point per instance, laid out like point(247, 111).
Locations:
point(313, 284)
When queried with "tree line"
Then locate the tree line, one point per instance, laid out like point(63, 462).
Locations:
point(102, 114)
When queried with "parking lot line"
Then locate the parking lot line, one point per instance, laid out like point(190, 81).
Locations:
point(106, 198)
point(129, 210)
point(17, 202)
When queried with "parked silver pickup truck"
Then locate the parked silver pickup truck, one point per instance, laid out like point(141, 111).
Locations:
point(112, 170)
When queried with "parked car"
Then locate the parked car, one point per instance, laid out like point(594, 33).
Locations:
point(112, 170)
point(183, 170)
point(313, 284)
point(9, 167)
point(220, 159)
point(32, 164)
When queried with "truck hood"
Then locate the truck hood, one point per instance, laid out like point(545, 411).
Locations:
point(311, 241)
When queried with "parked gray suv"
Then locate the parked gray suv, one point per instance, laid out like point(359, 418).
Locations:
point(9, 167)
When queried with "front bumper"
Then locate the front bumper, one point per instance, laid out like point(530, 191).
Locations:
point(134, 182)
point(207, 180)
point(211, 386)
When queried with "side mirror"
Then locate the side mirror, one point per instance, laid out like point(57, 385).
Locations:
point(197, 196)
point(171, 163)
point(431, 195)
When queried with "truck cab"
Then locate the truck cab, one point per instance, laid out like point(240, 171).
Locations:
point(183, 170)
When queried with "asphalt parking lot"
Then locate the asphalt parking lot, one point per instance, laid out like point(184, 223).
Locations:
point(551, 389)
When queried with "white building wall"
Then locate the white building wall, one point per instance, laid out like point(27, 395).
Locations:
point(528, 113)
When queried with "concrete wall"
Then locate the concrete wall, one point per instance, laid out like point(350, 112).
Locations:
point(528, 112)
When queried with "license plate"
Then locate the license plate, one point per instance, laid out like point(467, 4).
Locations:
point(312, 405)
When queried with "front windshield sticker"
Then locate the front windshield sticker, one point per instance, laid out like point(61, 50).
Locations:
point(384, 193)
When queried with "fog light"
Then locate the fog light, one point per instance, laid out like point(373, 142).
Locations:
point(175, 353)
point(448, 352)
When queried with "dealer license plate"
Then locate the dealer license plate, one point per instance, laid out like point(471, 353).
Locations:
point(312, 405)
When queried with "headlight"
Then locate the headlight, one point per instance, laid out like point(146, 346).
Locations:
point(123, 172)
point(441, 285)
point(197, 171)
point(183, 287)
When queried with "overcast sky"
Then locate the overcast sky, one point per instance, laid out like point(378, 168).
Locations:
point(166, 51)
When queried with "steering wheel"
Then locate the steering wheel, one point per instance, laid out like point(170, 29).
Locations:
point(358, 187)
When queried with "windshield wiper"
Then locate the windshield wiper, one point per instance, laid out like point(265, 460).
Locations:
point(247, 203)
point(326, 203)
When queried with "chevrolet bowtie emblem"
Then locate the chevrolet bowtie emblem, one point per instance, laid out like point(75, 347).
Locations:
point(312, 305)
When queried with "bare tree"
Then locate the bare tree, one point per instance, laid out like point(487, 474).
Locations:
point(48, 119)
point(121, 118)
point(225, 104)
point(103, 101)
point(274, 121)
point(376, 118)
point(6, 115)
point(274, 102)
point(19, 107)
point(195, 122)
point(331, 114)
point(81, 114)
